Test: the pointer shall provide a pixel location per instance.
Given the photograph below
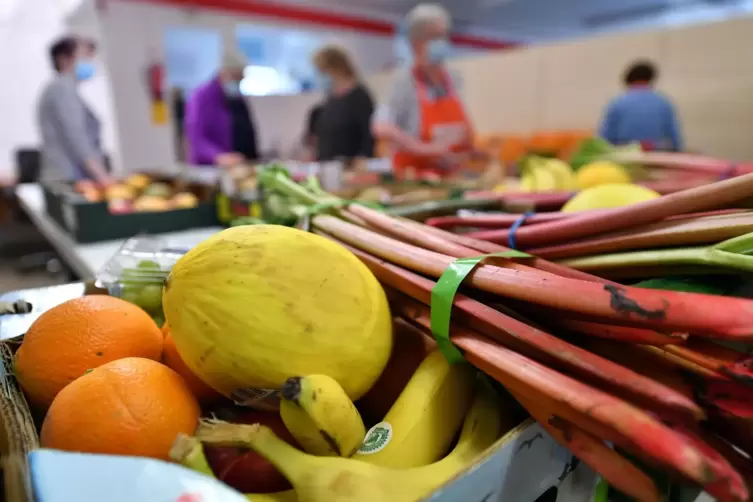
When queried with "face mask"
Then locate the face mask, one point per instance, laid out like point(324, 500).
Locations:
point(403, 53)
point(84, 70)
point(438, 50)
point(231, 89)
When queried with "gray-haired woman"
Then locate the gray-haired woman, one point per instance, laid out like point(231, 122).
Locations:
point(423, 118)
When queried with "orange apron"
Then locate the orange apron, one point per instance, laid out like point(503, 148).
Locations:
point(442, 119)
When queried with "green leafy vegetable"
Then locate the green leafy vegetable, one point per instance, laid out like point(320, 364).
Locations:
point(593, 149)
point(723, 285)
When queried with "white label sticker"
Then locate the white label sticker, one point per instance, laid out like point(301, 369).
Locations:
point(376, 439)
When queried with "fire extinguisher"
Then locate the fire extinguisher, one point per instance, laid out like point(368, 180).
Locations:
point(155, 81)
point(155, 77)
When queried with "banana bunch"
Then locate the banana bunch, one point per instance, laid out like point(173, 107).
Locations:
point(401, 458)
point(542, 174)
point(337, 479)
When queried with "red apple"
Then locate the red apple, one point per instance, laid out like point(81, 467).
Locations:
point(245, 470)
point(118, 206)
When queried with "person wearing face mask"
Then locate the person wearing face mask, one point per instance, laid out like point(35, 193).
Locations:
point(70, 132)
point(423, 119)
point(218, 124)
point(343, 123)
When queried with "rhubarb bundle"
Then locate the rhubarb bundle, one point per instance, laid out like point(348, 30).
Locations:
point(594, 361)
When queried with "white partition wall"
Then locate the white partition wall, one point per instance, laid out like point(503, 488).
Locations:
point(709, 74)
point(501, 91)
point(578, 78)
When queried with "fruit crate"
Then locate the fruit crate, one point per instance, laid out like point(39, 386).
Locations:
point(525, 465)
point(91, 220)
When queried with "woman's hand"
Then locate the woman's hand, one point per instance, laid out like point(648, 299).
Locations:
point(7, 180)
point(436, 149)
point(229, 159)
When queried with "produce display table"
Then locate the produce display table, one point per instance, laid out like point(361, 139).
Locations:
point(85, 260)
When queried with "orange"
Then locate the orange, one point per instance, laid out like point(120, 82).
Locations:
point(132, 406)
point(203, 392)
point(78, 335)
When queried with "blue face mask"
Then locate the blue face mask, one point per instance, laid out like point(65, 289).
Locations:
point(403, 52)
point(438, 50)
point(84, 70)
point(231, 89)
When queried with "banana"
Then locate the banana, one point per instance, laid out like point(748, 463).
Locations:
point(537, 178)
point(542, 174)
point(562, 172)
point(421, 425)
point(286, 496)
point(320, 416)
point(187, 450)
point(334, 479)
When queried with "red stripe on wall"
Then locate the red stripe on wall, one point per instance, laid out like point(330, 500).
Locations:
point(319, 17)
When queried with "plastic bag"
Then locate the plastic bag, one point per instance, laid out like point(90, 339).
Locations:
point(58, 476)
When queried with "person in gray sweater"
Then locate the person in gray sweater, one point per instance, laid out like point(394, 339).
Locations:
point(70, 132)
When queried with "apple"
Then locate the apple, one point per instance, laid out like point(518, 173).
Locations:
point(245, 470)
point(92, 195)
point(184, 200)
point(83, 186)
point(151, 203)
point(119, 206)
point(120, 191)
point(138, 181)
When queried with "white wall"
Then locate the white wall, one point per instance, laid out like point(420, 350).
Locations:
point(132, 33)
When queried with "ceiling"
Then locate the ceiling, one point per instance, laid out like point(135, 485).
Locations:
point(490, 23)
point(547, 19)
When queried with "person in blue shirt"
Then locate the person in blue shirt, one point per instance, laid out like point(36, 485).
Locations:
point(642, 114)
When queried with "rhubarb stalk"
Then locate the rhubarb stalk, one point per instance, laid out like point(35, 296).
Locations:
point(532, 341)
point(668, 233)
point(702, 198)
point(489, 247)
point(625, 334)
point(711, 356)
point(707, 315)
point(612, 466)
point(624, 424)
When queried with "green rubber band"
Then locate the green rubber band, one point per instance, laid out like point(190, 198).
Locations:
point(443, 296)
point(601, 493)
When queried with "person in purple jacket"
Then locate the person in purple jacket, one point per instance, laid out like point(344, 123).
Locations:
point(218, 124)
